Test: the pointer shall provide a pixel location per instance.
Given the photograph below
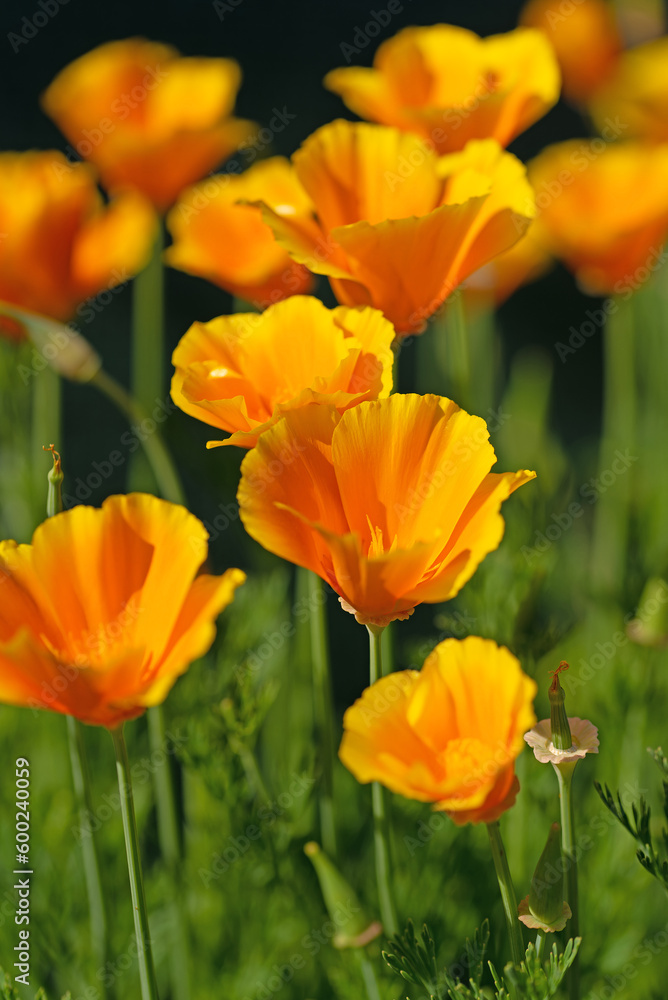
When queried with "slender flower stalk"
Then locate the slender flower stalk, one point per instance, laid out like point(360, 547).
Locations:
point(149, 988)
point(80, 770)
point(322, 695)
point(611, 523)
point(46, 423)
point(565, 777)
point(82, 791)
point(507, 888)
point(148, 352)
point(159, 458)
point(388, 913)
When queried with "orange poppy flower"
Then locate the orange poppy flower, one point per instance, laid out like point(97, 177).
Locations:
point(637, 93)
point(228, 243)
point(449, 86)
point(448, 734)
point(392, 502)
point(603, 210)
point(61, 244)
point(586, 40)
point(398, 227)
point(147, 118)
point(525, 262)
point(241, 373)
point(104, 610)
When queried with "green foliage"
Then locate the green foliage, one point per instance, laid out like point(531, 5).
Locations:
point(7, 991)
point(415, 961)
point(638, 823)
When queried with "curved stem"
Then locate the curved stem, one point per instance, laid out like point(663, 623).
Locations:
point(388, 913)
point(148, 351)
point(81, 781)
point(565, 777)
point(164, 470)
point(507, 892)
point(149, 988)
point(322, 694)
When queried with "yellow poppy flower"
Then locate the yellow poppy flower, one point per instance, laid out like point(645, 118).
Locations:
point(449, 86)
point(637, 93)
point(61, 244)
point(392, 502)
point(146, 117)
point(219, 236)
point(241, 373)
point(603, 210)
point(104, 610)
point(448, 734)
point(398, 227)
point(586, 40)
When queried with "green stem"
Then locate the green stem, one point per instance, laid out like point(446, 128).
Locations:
point(507, 888)
point(323, 711)
point(368, 975)
point(81, 781)
point(456, 350)
point(148, 352)
point(170, 848)
point(160, 460)
point(565, 777)
point(540, 941)
point(46, 426)
point(149, 989)
point(381, 831)
point(611, 522)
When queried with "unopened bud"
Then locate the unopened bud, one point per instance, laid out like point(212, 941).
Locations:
point(650, 626)
point(354, 927)
point(561, 731)
point(544, 908)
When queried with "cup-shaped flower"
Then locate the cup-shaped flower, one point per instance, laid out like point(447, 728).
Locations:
point(603, 210)
point(147, 118)
point(449, 86)
point(241, 373)
point(392, 502)
point(586, 40)
point(526, 261)
point(447, 734)
point(584, 736)
point(104, 610)
point(61, 244)
point(220, 236)
point(637, 93)
point(397, 226)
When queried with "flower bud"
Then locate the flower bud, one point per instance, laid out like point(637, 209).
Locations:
point(561, 731)
point(650, 626)
point(544, 908)
point(353, 927)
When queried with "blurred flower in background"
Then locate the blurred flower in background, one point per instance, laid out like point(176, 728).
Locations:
point(61, 243)
point(241, 373)
point(448, 734)
point(603, 210)
point(148, 118)
point(586, 39)
point(220, 236)
point(449, 86)
point(104, 610)
point(637, 93)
